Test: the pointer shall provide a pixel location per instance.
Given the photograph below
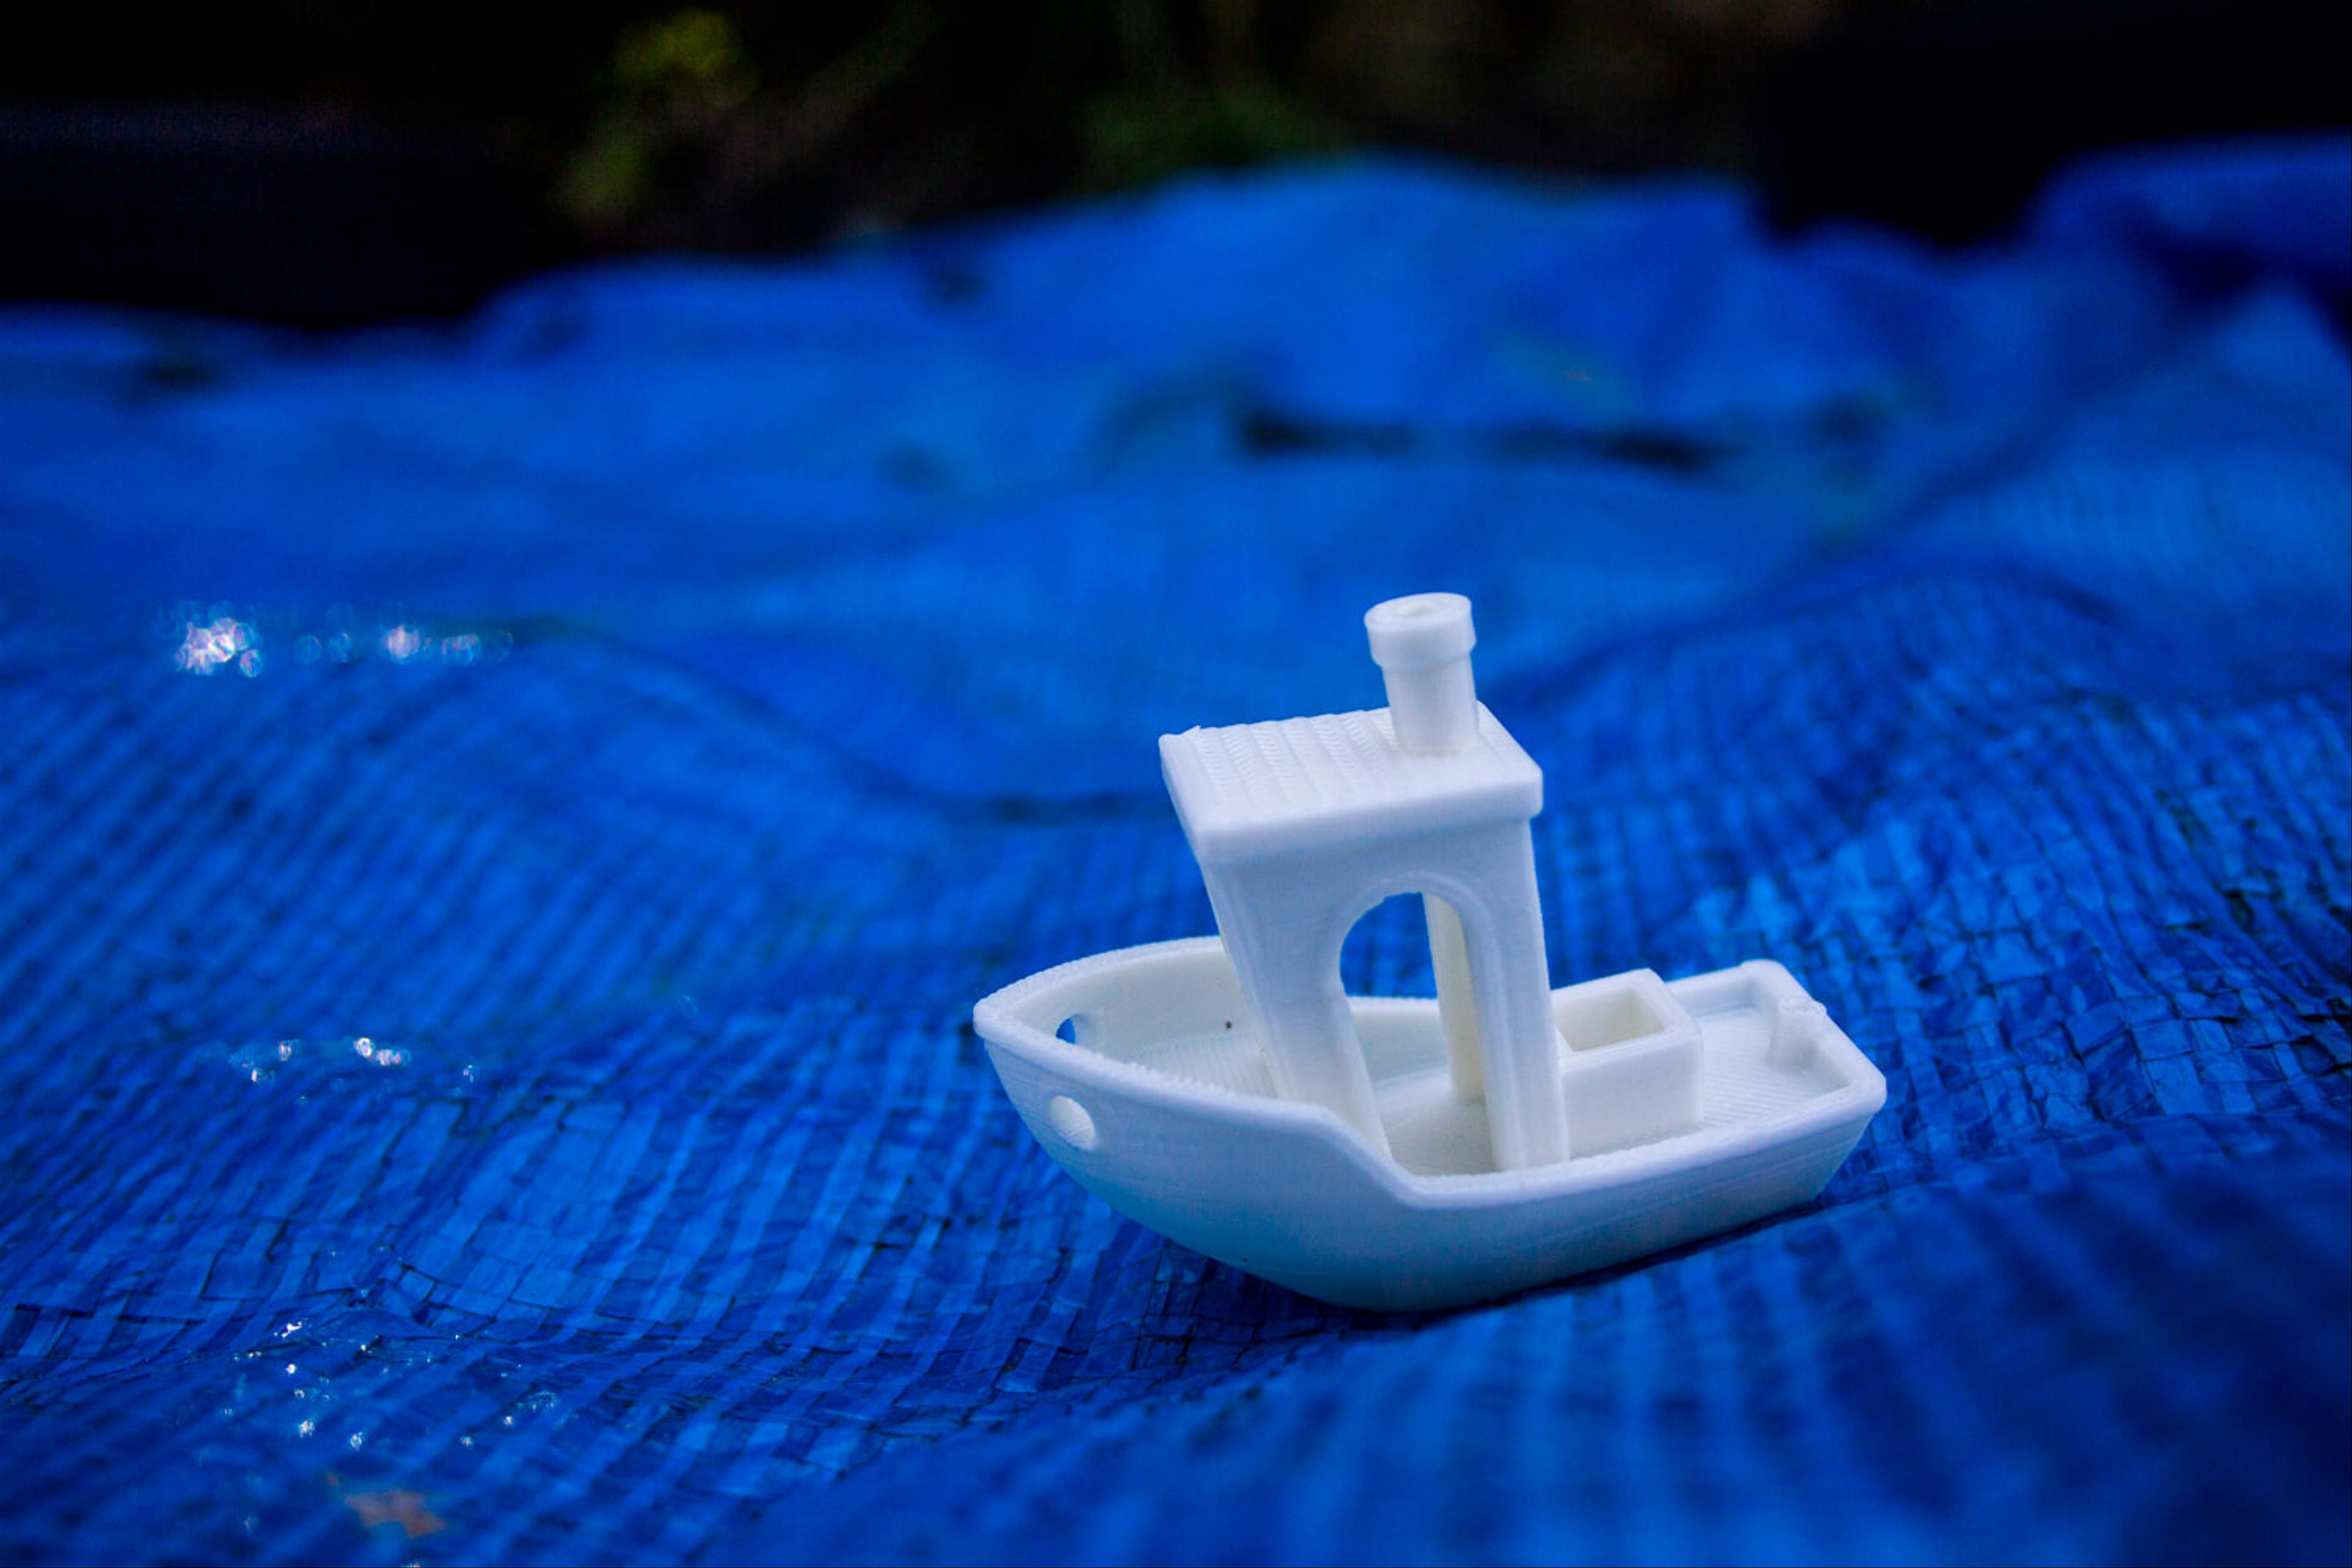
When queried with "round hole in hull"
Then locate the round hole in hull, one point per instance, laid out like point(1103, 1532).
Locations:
point(1070, 1120)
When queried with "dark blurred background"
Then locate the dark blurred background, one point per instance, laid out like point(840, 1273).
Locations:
point(324, 165)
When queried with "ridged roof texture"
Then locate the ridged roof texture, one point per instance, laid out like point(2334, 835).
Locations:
point(1247, 790)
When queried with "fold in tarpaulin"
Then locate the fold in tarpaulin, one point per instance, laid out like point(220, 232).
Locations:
point(504, 827)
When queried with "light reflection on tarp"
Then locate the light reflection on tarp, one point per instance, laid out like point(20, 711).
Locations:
point(205, 639)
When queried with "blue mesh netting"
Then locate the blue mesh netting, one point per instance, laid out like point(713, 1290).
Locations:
point(677, 693)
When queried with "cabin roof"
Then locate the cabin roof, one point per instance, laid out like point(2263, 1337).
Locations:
point(1246, 791)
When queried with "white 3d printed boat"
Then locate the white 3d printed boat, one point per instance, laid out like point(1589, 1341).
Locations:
point(1397, 1153)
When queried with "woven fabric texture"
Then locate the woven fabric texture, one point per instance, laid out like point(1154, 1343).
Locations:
point(504, 825)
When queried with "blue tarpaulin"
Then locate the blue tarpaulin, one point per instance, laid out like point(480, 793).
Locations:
point(501, 827)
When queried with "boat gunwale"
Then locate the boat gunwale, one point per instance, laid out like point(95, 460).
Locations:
point(1851, 1105)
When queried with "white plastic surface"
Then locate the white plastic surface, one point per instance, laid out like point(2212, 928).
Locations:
point(1303, 824)
point(1422, 645)
point(1168, 1113)
point(1426, 1153)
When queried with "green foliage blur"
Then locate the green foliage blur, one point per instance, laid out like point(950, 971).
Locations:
point(720, 126)
point(748, 127)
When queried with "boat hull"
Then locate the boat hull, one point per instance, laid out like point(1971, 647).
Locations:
point(1160, 1107)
